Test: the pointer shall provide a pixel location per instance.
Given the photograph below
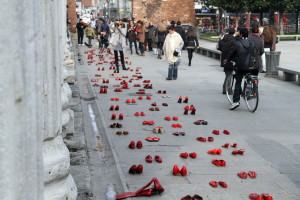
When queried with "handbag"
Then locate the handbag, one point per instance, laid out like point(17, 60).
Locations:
point(138, 37)
point(176, 53)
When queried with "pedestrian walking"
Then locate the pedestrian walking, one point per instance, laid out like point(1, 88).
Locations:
point(258, 50)
point(105, 33)
point(80, 26)
point(191, 43)
point(240, 53)
point(161, 34)
point(151, 30)
point(90, 34)
point(172, 48)
point(140, 37)
point(131, 35)
point(180, 30)
point(225, 44)
point(118, 42)
point(269, 37)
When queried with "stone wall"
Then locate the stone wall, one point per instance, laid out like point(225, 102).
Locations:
point(157, 10)
point(34, 161)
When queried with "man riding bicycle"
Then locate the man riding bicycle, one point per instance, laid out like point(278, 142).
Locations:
point(241, 53)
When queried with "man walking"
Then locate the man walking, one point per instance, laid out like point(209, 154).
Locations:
point(180, 30)
point(80, 26)
point(241, 54)
point(172, 49)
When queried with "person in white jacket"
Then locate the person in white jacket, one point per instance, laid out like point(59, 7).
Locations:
point(118, 42)
point(172, 49)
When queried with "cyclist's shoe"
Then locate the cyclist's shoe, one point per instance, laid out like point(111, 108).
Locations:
point(234, 105)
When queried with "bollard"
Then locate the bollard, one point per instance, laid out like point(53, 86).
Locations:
point(272, 61)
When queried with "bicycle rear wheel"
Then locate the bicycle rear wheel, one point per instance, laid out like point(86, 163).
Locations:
point(251, 97)
point(230, 85)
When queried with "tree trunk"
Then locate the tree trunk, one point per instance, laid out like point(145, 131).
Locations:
point(297, 19)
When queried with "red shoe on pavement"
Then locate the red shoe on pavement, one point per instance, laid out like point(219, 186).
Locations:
point(176, 170)
point(139, 144)
point(184, 155)
point(158, 159)
point(183, 171)
point(148, 159)
point(193, 155)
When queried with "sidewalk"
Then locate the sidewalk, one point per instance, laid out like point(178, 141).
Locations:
point(270, 136)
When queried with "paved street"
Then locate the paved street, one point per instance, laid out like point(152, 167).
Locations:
point(270, 136)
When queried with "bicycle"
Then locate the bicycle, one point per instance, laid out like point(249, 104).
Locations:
point(249, 91)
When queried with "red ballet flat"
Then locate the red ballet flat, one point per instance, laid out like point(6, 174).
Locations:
point(175, 118)
point(158, 159)
point(201, 139)
point(128, 101)
point(266, 196)
point(156, 139)
point(213, 184)
point(226, 132)
point(223, 184)
point(113, 116)
point(216, 132)
point(210, 139)
point(255, 196)
point(148, 159)
point(140, 98)
point(219, 163)
point(143, 114)
point(184, 155)
point(252, 174)
point(121, 116)
point(149, 139)
point(112, 107)
point(133, 101)
point(132, 169)
point(148, 97)
point(139, 169)
point(168, 118)
point(234, 145)
point(137, 114)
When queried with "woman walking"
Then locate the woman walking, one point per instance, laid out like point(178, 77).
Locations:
point(192, 42)
point(118, 41)
point(141, 36)
point(131, 35)
point(161, 34)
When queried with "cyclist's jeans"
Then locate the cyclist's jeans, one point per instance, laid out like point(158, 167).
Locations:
point(238, 85)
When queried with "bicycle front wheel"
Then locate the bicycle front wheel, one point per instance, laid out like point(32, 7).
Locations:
point(230, 85)
point(251, 97)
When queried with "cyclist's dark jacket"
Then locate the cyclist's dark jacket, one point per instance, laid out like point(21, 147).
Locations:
point(240, 53)
point(224, 46)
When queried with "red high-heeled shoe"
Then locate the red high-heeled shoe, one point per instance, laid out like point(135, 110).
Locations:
point(216, 132)
point(226, 132)
point(140, 98)
point(133, 101)
point(186, 100)
point(186, 112)
point(180, 99)
point(148, 159)
point(201, 139)
point(193, 155)
point(213, 184)
point(266, 196)
point(184, 155)
point(234, 145)
point(112, 107)
point(176, 170)
point(167, 118)
point(128, 101)
point(183, 171)
point(223, 184)
point(252, 174)
point(148, 97)
point(158, 159)
point(193, 111)
point(240, 151)
point(139, 144)
point(137, 114)
point(143, 114)
point(242, 174)
point(113, 116)
point(255, 196)
point(210, 139)
point(132, 145)
point(121, 116)
point(219, 163)
point(117, 99)
point(117, 107)
point(132, 169)
point(139, 169)
point(175, 118)
point(226, 145)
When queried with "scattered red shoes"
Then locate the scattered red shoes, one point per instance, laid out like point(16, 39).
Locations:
point(139, 145)
point(221, 183)
point(177, 171)
point(219, 163)
point(136, 169)
point(244, 175)
point(185, 155)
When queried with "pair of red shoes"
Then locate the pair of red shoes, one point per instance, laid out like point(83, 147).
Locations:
point(103, 90)
point(217, 132)
point(152, 139)
point(189, 197)
point(112, 107)
point(139, 145)
point(161, 92)
point(148, 122)
point(122, 132)
point(139, 114)
point(200, 122)
point(244, 175)
point(219, 163)
point(177, 171)
point(215, 151)
point(148, 86)
point(105, 81)
point(186, 154)
point(203, 139)
point(158, 129)
point(136, 169)
point(176, 125)
point(234, 145)
point(118, 90)
point(175, 118)
point(221, 183)
point(187, 108)
point(239, 151)
point(132, 101)
point(154, 109)
point(165, 104)
point(157, 159)
point(186, 100)
point(148, 98)
point(114, 116)
point(136, 85)
point(114, 99)
point(263, 196)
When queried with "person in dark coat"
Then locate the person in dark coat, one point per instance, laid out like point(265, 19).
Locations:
point(179, 29)
point(240, 53)
point(151, 30)
point(258, 49)
point(80, 26)
point(160, 33)
point(131, 35)
point(191, 43)
point(225, 44)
